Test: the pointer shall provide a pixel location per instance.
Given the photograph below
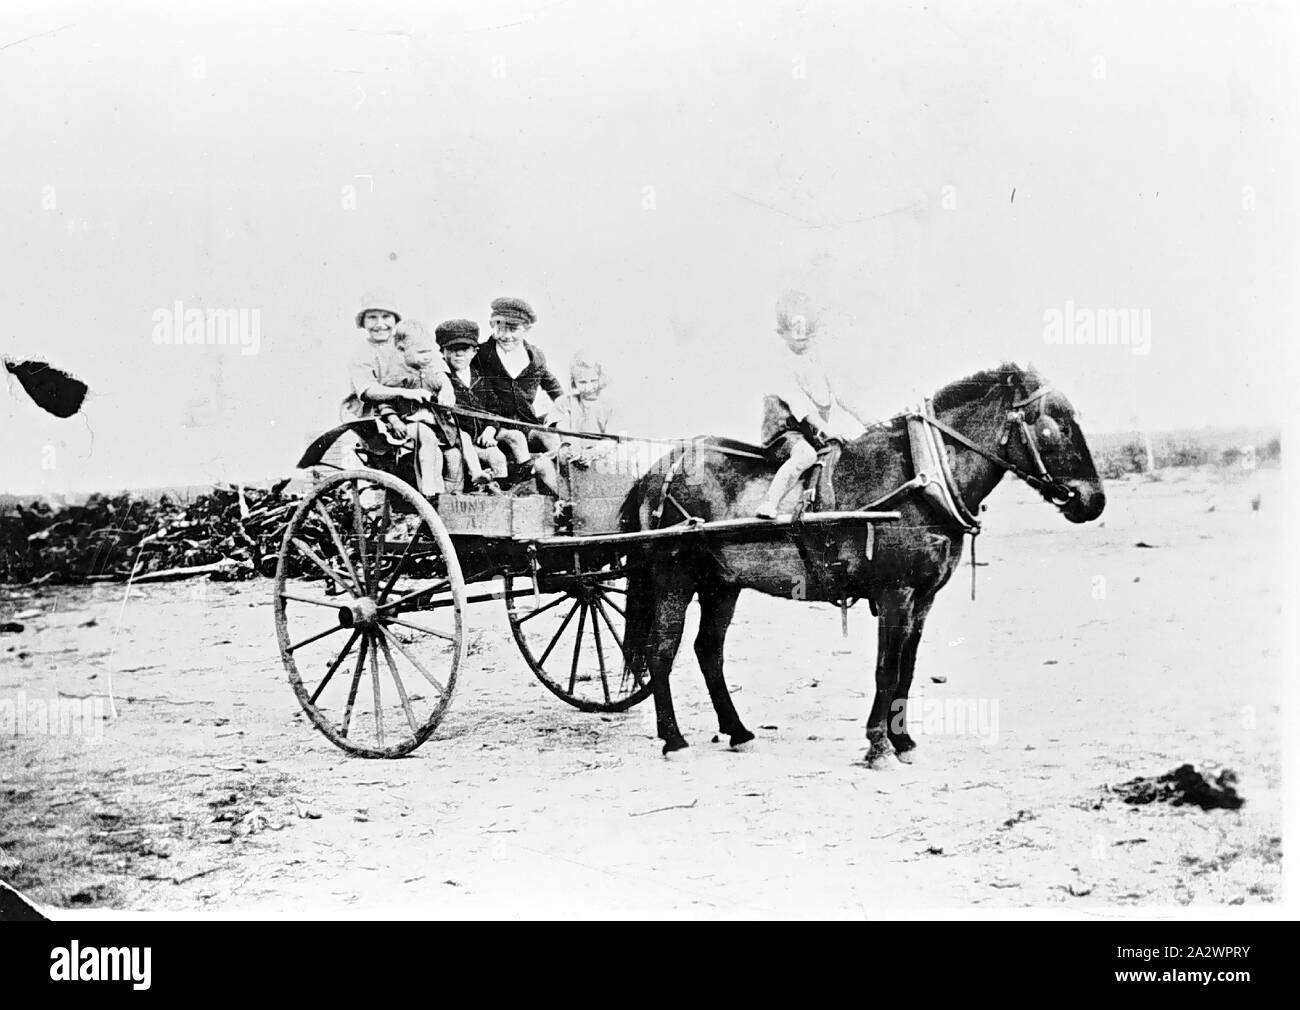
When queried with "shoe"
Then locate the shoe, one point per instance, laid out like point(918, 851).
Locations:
point(767, 510)
point(486, 485)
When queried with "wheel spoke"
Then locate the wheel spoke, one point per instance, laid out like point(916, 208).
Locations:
point(401, 688)
point(436, 588)
point(385, 517)
point(314, 638)
point(359, 521)
point(427, 631)
point(338, 546)
point(627, 668)
point(338, 661)
point(600, 609)
point(540, 610)
point(329, 573)
point(600, 651)
point(392, 579)
point(577, 647)
point(612, 589)
point(622, 612)
point(333, 605)
point(356, 681)
point(374, 685)
point(563, 624)
point(396, 643)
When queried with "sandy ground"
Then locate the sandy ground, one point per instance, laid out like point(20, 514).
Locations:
point(1086, 660)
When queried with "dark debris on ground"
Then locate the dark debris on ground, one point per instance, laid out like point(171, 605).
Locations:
point(235, 530)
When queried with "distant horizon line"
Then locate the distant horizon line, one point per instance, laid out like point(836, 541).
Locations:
point(1274, 429)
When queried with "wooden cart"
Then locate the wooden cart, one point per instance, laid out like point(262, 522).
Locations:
point(372, 584)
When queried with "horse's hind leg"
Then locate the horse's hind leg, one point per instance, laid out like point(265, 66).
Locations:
point(717, 605)
point(673, 590)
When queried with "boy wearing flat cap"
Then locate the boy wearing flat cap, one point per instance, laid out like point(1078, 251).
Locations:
point(513, 370)
point(458, 339)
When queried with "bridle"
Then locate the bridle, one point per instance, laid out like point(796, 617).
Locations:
point(1041, 480)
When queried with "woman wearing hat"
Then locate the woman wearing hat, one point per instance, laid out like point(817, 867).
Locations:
point(370, 360)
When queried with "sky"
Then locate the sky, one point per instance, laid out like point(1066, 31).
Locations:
point(947, 178)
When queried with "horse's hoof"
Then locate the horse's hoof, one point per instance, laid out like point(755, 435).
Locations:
point(905, 756)
point(741, 739)
point(902, 744)
point(880, 756)
point(672, 747)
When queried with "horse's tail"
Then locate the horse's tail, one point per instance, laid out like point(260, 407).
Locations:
point(640, 586)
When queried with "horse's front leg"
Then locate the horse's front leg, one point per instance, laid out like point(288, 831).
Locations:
point(898, 735)
point(893, 628)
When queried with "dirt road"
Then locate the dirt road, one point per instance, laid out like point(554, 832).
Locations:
point(1086, 660)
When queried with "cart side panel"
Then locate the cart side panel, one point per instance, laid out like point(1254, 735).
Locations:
point(519, 518)
point(598, 499)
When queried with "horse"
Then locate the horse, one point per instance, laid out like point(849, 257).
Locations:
point(1005, 419)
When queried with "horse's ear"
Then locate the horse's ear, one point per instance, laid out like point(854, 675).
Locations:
point(1013, 382)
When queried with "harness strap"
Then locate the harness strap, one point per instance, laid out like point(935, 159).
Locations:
point(664, 495)
point(1037, 483)
point(592, 435)
point(951, 492)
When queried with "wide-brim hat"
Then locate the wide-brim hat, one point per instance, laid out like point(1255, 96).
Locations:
point(457, 333)
point(513, 310)
point(378, 301)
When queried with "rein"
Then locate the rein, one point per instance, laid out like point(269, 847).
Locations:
point(510, 422)
point(1042, 481)
point(950, 494)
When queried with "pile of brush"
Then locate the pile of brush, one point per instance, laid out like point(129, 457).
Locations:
point(231, 533)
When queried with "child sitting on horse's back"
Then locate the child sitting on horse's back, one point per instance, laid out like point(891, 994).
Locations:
point(805, 386)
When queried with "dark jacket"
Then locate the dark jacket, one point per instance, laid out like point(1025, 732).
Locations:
point(471, 397)
point(509, 397)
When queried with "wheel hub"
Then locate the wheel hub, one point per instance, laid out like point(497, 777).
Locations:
point(360, 613)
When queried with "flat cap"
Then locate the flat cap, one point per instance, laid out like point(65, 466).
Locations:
point(514, 310)
point(457, 333)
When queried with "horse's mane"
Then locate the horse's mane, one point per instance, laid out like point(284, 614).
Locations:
point(978, 386)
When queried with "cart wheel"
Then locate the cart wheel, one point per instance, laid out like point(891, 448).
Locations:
point(571, 636)
point(363, 554)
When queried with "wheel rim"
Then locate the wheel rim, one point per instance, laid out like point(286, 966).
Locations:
point(572, 638)
point(374, 674)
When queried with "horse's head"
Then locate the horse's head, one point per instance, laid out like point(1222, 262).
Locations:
point(1042, 438)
